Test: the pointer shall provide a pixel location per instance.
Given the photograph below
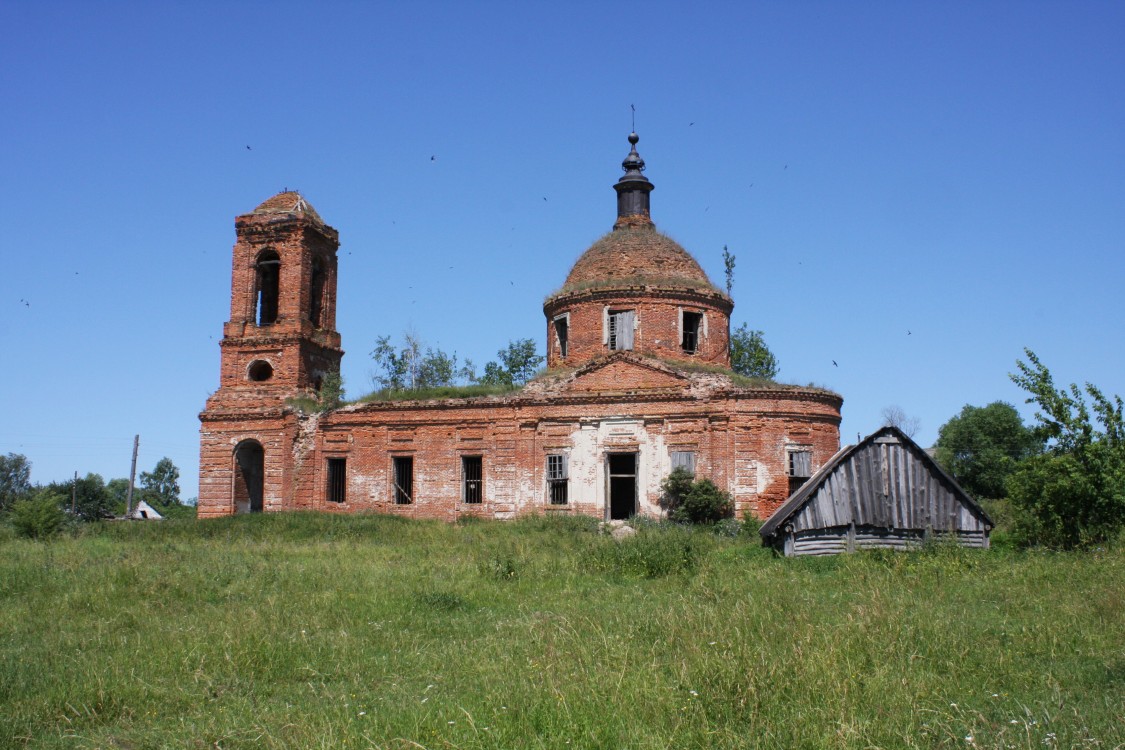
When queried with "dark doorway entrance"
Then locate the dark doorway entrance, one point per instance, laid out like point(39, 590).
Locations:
point(622, 485)
point(249, 472)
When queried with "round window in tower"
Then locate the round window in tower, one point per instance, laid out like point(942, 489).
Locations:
point(260, 370)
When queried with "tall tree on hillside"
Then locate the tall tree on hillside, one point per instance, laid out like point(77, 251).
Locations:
point(749, 354)
point(15, 479)
point(983, 445)
point(163, 482)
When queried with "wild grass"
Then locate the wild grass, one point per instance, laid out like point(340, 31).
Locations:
point(743, 381)
point(316, 631)
point(438, 392)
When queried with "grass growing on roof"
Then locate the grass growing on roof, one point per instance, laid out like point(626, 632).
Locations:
point(438, 392)
point(304, 630)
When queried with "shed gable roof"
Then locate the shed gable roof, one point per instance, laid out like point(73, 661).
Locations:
point(798, 500)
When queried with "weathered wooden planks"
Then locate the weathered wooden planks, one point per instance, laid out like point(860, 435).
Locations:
point(886, 489)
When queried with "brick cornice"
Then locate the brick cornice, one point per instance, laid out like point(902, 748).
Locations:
point(609, 293)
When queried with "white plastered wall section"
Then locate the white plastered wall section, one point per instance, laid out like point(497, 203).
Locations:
point(592, 441)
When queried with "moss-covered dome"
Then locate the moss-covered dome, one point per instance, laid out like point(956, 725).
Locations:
point(635, 255)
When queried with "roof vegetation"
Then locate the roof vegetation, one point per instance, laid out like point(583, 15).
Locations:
point(437, 392)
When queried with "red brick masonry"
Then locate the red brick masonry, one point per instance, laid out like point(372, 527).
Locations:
point(648, 403)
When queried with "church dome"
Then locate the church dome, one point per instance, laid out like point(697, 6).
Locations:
point(288, 202)
point(635, 254)
point(637, 290)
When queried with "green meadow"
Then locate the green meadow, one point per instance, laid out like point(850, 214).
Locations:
point(318, 631)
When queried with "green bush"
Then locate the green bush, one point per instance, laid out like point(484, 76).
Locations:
point(40, 517)
point(694, 501)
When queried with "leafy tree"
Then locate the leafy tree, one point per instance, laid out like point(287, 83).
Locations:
point(896, 416)
point(406, 367)
point(1073, 495)
point(15, 479)
point(693, 501)
point(750, 356)
point(92, 501)
point(118, 491)
point(983, 445)
point(162, 484)
point(518, 364)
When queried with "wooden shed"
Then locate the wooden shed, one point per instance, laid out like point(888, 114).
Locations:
point(884, 492)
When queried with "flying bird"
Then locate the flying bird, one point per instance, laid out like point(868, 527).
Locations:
point(908, 333)
point(249, 149)
point(433, 158)
point(834, 363)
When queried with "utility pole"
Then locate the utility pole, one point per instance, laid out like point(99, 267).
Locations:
point(74, 494)
point(132, 475)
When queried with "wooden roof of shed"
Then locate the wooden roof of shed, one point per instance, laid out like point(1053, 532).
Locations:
point(808, 490)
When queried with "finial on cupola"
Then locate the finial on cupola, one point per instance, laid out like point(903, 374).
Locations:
point(633, 189)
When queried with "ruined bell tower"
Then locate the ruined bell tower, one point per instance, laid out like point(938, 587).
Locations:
point(281, 341)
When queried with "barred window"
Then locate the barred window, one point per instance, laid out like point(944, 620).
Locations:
point(404, 480)
point(557, 479)
point(472, 479)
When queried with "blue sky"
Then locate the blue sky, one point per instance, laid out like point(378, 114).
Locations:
point(914, 190)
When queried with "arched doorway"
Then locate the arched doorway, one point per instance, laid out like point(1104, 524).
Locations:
point(249, 475)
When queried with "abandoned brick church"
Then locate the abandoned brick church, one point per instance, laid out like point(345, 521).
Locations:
point(638, 382)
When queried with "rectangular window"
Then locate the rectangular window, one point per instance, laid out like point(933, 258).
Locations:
point(692, 323)
point(562, 323)
point(557, 479)
point(404, 479)
point(337, 480)
point(683, 460)
point(799, 469)
point(472, 479)
point(619, 332)
point(800, 464)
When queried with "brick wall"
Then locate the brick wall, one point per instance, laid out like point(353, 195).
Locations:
point(657, 329)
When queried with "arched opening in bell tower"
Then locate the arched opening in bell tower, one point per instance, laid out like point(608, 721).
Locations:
point(316, 293)
point(267, 287)
point(249, 476)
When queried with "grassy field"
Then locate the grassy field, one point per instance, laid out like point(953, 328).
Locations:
point(306, 631)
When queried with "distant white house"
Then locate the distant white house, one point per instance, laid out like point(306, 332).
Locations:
point(144, 512)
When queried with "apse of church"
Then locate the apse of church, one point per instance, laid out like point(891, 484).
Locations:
point(638, 382)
